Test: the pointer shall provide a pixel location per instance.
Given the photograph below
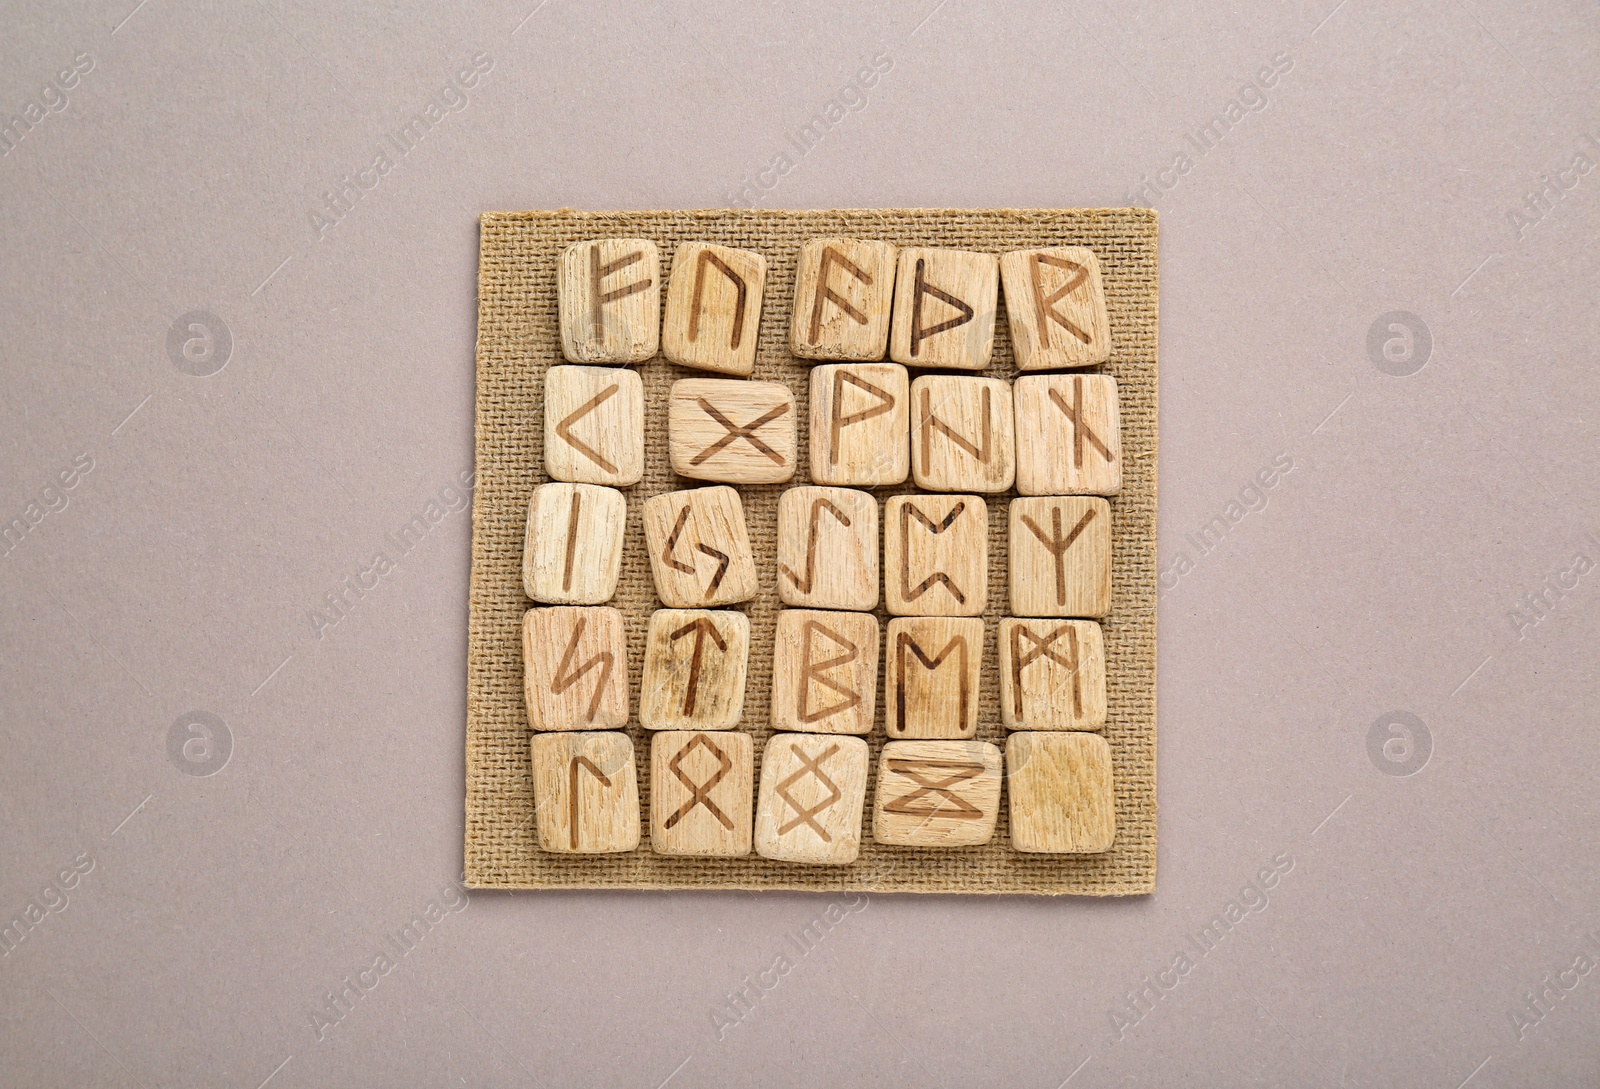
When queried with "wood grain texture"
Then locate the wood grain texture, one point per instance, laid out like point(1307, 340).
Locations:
point(699, 548)
point(713, 312)
point(937, 793)
point(575, 673)
point(824, 671)
point(1052, 674)
point(1062, 798)
point(843, 292)
point(810, 802)
point(572, 550)
point(935, 555)
point(1056, 304)
point(828, 548)
point(1060, 556)
point(594, 425)
point(610, 298)
point(1069, 435)
point(963, 435)
point(586, 792)
point(945, 301)
point(702, 793)
point(695, 663)
point(933, 669)
point(734, 431)
point(860, 424)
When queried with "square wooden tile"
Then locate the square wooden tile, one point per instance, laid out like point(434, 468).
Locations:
point(699, 549)
point(1069, 435)
point(944, 309)
point(931, 682)
point(695, 661)
point(809, 805)
point(962, 434)
point(594, 425)
point(937, 793)
point(1060, 556)
point(713, 308)
point(585, 792)
point(610, 300)
point(860, 424)
point(736, 431)
point(1061, 793)
point(1052, 674)
point(828, 548)
point(1056, 305)
point(824, 671)
point(702, 793)
point(572, 549)
point(935, 555)
point(842, 294)
point(575, 668)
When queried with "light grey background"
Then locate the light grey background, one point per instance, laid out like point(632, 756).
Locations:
point(1389, 570)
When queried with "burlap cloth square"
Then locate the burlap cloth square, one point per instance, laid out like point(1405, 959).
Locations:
point(518, 337)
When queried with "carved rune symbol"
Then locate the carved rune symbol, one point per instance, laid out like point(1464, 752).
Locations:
point(592, 768)
point(747, 432)
point(1058, 545)
point(931, 423)
point(811, 669)
point(907, 642)
point(809, 765)
point(831, 257)
point(700, 627)
point(1043, 648)
point(818, 505)
point(564, 428)
point(935, 777)
point(1081, 432)
point(1044, 305)
point(907, 591)
point(671, 560)
point(598, 272)
point(840, 420)
point(572, 539)
point(700, 793)
point(565, 680)
point(709, 258)
point(920, 288)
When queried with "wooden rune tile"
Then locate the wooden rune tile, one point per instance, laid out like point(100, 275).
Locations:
point(1052, 674)
point(699, 549)
point(932, 671)
point(575, 668)
point(594, 425)
point(1057, 308)
point(572, 550)
point(731, 430)
point(944, 309)
point(935, 555)
point(1069, 435)
point(1060, 556)
point(713, 308)
point(824, 671)
point(694, 670)
point(842, 294)
point(828, 548)
point(810, 801)
point(702, 793)
point(962, 437)
point(937, 793)
point(1061, 793)
point(860, 424)
point(585, 792)
point(610, 300)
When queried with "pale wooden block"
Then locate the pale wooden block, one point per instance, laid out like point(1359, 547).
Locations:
point(828, 548)
point(1069, 435)
point(843, 290)
point(860, 424)
point(935, 555)
point(585, 792)
point(702, 793)
point(962, 434)
point(594, 425)
point(713, 308)
point(1052, 674)
point(610, 300)
point(809, 806)
point(824, 672)
point(575, 668)
point(1061, 793)
point(944, 309)
point(1056, 305)
point(934, 665)
point(1061, 556)
point(572, 549)
point(699, 549)
point(694, 670)
point(736, 431)
point(937, 793)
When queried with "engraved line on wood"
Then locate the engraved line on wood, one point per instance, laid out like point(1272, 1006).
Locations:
point(700, 627)
point(1058, 545)
point(922, 287)
point(564, 428)
point(695, 304)
point(839, 421)
point(931, 423)
point(572, 539)
point(1042, 649)
point(922, 772)
point(700, 793)
point(747, 432)
point(809, 765)
point(907, 591)
point(565, 680)
point(1081, 431)
point(1044, 306)
point(572, 792)
point(667, 556)
point(812, 670)
point(906, 641)
point(831, 257)
point(818, 505)
point(598, 272)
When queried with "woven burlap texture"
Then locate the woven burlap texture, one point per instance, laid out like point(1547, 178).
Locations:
point(518, 338)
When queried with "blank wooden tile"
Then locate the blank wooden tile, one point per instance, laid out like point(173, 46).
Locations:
point(1061, 793)
point(1057, 308)
point(937, 793)
point(944, 309)
point(572, 549)
point(1052, 674)
point(736, 431)
point(962, 437)
point(1069, 435)
point(1060, 556)
point(702, 793)
point(931, 676)
point(860, 424)
point(699, 550)
point(824, 672)
point(610, 300)
point(842, 295)
point(713, 308)
point(828, 548)
point(935, 555)
point(594, 425)
point(575, 668)
point(809, 805)
point(585, 792)
point(694, 670)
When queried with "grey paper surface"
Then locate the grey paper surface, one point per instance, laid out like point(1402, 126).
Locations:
point(1377, 679)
